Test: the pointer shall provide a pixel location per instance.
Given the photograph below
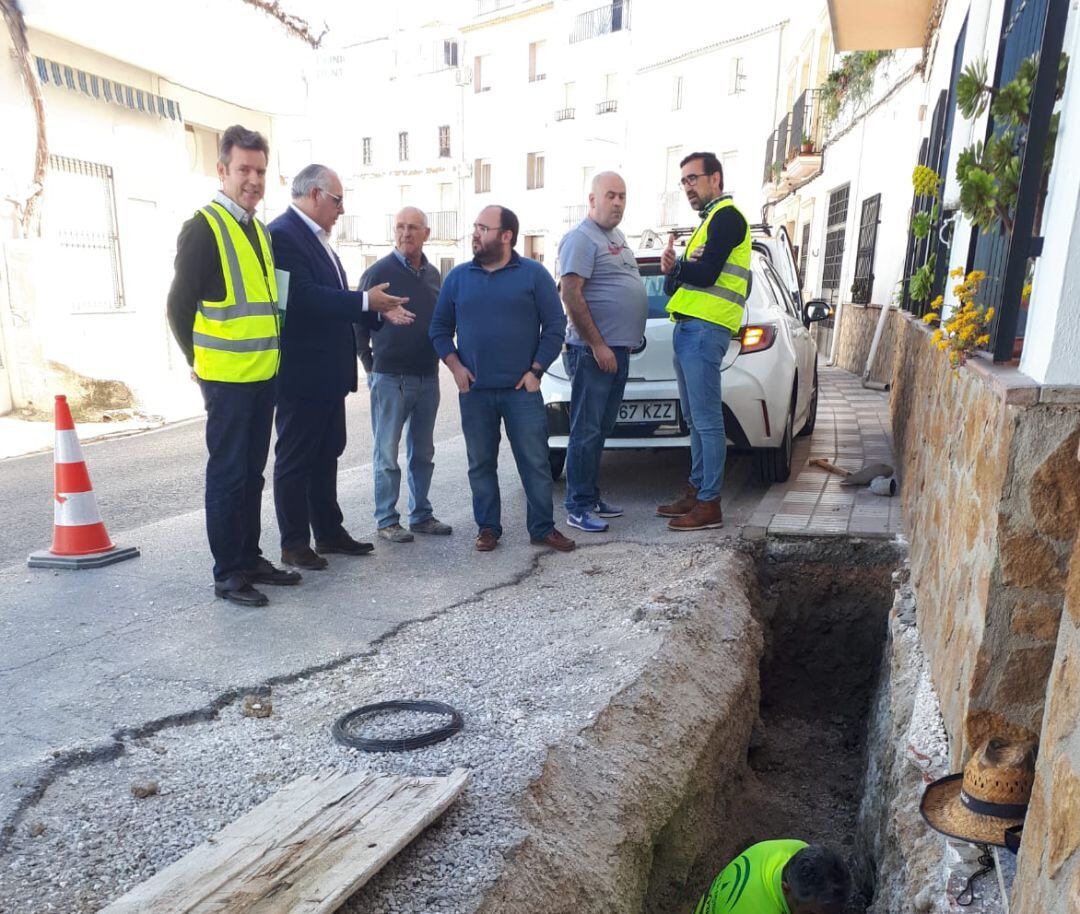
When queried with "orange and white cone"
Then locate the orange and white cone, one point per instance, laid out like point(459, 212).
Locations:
point(79, 536)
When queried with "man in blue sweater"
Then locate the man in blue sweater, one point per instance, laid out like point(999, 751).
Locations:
point(403, 378)
point(509, 323)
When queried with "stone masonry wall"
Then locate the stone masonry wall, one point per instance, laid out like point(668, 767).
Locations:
point(1048, 875)
point(856, 333)
point(991, 492)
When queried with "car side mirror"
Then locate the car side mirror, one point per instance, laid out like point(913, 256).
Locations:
point(816, 310)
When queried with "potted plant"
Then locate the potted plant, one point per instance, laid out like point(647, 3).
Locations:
point(807, 148)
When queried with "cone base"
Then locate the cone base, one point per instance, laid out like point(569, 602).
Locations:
point(45, 558)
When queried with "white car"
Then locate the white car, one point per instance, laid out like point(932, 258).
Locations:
point(770, 383)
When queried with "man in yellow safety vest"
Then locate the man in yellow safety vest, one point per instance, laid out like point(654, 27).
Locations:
point(223, 310)
point(708, 287)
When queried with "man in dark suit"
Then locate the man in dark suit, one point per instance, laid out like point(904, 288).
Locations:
point(318, 369)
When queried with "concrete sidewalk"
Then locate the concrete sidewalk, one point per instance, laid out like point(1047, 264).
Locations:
point(852, 430)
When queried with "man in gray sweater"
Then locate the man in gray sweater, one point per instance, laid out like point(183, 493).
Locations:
point(403, 378)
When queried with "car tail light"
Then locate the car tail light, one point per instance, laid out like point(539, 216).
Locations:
point(757, 337)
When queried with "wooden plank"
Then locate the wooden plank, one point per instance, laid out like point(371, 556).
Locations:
point(304, 850)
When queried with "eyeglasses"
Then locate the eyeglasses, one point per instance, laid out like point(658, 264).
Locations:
point(478, 227)
point(338, 200)
point(690, 180)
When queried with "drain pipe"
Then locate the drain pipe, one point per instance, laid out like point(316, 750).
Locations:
point(878, 331)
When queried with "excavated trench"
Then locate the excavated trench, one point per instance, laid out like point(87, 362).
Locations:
point(823, 606)
point(825, 609)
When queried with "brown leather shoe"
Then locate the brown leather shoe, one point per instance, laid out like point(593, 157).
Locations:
point(681, 506)
point(486, 540)
point(703, 516)
point(303, 557)
point(556, 540)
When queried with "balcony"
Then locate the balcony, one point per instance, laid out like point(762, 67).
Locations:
point(349, 230)
point(793, 150)
point(443, 224)
point(564, 114)
point(572, 215)
point(604, 20)
point(861, 26)
point(609, 106)
point(670, 206)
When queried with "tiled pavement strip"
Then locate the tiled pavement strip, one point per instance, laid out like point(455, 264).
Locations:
point(852, 430)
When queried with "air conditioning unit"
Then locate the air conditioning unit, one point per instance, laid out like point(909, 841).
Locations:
point(463, 76)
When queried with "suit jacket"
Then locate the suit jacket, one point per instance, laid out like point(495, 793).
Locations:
point(318, 349)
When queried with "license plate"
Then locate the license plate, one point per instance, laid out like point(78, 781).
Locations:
point(661, 411)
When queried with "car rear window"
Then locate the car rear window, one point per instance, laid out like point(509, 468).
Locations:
point(654, 287)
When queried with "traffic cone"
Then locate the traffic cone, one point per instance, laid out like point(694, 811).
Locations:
point(79, 536)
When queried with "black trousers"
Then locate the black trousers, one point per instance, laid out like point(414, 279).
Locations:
point(238, 424)
point(310, 439)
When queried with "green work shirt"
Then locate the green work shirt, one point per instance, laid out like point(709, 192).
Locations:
point(750, 884)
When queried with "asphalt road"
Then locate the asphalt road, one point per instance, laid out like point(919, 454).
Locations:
point(150, 476)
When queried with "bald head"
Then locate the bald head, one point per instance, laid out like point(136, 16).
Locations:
point(607, 199)
point(410, 232)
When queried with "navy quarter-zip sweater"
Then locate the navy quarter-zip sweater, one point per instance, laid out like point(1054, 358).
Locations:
point(504, 320)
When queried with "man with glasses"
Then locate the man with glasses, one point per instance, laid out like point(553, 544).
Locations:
point(708, 286)
point(505, 313)
point(318, 369)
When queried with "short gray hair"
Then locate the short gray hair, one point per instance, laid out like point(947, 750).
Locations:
point(308, 178)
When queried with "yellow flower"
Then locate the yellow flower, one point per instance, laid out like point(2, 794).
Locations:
point(957, 273)
point(942, 345)
point(983, 340)
point(930, 317)
point(976, 276)
point(937, 337)
point(988, 315)
point(936, 304)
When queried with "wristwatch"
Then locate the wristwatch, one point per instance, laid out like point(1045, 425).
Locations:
point(537, 373)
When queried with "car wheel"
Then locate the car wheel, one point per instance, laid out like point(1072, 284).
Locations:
point(774, 463)
point(811, 416)
point(557, 459)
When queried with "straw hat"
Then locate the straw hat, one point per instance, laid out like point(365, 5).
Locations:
point(989, 797)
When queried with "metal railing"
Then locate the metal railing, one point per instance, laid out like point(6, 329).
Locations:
point(443, 224)
point(615, 17)
point(608, 106)
point(572, 215)
point(564, 114)
point(770, 159)
point(805, 124)
point(348, 229)
point(669, 207)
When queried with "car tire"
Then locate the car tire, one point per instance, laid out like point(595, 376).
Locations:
point(811, 415)
point(774, 463)
point(557, 459)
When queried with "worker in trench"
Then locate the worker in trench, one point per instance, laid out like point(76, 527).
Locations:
point(779, 877)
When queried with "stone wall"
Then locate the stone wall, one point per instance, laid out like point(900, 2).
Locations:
point(991, 492)
point(1048, 877)
point(855, 335)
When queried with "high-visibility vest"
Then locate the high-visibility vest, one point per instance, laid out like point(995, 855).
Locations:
point(723, 302)
point(237, 338)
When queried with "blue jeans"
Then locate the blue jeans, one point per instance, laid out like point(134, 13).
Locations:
point(522, 413)
point(699, 350)
point(239, 418)
point(409, 403)
point(595, 397)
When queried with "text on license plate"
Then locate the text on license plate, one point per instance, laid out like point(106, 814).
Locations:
point(648, 411)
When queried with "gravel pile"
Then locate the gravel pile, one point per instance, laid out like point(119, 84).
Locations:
point(528, 666)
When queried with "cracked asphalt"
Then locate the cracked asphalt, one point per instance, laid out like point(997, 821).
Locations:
point(87, 656)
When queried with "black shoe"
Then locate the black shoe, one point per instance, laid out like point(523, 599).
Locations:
point(265, 573)
point(343, 545)
point(303, 557)
point(237, 589)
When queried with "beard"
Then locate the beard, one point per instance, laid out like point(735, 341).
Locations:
point(488, 251)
